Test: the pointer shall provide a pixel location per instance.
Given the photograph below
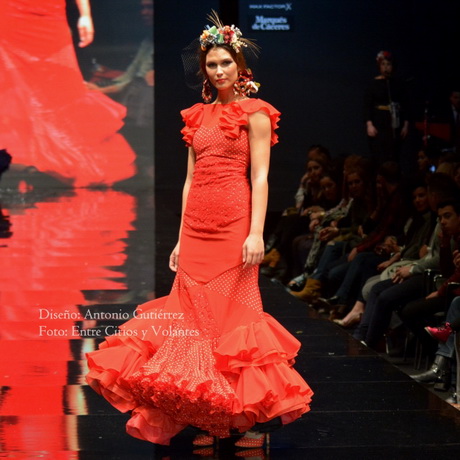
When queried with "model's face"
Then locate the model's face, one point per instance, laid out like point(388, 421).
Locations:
point(315, 171)
point(329, 188)
point(355, 185)
point(386, 68)
point(449, 220)
point(420, 199)
point(221, 69)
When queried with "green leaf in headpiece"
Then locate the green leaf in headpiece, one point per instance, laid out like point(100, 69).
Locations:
point(220, 39)
point(213, 30)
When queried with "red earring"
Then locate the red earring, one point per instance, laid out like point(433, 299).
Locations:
point(206, 92)
point(245, 84)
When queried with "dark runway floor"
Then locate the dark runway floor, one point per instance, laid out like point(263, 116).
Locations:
point(66, 256)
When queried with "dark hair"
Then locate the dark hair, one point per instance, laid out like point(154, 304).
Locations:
point(318, 148)
point(322, 162)
point(442, 185)
point(334, 175)
point(385, 56)
point(390, 172)
point(455, 203)
point(237, 57)
point(416, 183)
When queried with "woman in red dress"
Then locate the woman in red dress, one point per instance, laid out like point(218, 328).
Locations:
point(207, 355)
point(49, 120)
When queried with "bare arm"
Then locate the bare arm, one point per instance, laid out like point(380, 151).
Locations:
point(174, 257)
point(259, 142)
point(85, 23)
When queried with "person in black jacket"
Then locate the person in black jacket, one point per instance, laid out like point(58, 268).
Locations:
point(386, 112)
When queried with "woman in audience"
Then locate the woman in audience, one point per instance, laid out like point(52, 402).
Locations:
point(336, 231)
point(385, 220)
point(295, 220)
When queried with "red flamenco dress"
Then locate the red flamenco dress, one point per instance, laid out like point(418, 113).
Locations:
point(48, 119)
point(206, 355)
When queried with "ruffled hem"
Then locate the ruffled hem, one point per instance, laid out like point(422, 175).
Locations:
point(256, 344)
point(150, 424)
point(234, 117)
point(111, 367)
point(258, 359)
point(242, 379)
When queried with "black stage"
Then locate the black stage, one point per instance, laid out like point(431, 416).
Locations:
point(65, 253)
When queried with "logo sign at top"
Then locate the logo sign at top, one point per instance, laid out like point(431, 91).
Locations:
point(271, 17)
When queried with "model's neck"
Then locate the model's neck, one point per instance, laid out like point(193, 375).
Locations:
point(227, 97)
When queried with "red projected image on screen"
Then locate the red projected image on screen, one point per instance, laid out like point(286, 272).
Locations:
point(51, 122)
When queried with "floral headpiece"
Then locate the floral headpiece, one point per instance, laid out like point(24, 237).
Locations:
point(219, 34)
point(229, 35)
point(384, 55)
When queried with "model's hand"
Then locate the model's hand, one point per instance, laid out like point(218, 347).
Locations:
point(253, 250)
point(174, 258)
point(85, 31)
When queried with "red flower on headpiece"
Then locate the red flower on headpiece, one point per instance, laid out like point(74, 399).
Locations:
point(384, 55)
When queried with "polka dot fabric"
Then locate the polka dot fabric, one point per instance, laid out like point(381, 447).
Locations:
point(206, 355)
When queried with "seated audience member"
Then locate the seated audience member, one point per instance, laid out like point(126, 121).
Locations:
point(330, 206)
point(440, 371)
point(309, 182)
point(295, 220)
point(408, 282)
point(335, 230)
point(417, 314)
point(413, 243)
point(425, 164)
point(447, 164)
point(387, 219)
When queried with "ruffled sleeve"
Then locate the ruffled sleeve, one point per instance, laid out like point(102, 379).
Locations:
point(192, 118)
point(236, 115)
